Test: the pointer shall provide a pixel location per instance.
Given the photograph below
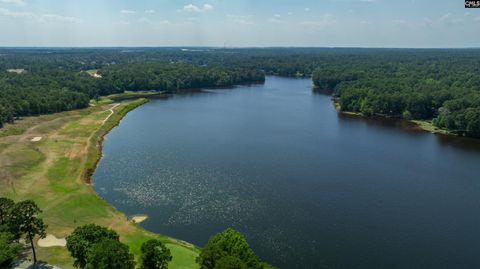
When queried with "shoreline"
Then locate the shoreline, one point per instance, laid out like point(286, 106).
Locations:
point(91, 166)
point(53, 172)
point(421, 125)
point(92, 163)
point(94, 154)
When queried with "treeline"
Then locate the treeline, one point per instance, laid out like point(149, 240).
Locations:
point(48, 88)
point(172, 77)
point(34, 94)
point(439, 85)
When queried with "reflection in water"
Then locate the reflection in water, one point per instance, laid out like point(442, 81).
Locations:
point(464, 143)
point(308, 187)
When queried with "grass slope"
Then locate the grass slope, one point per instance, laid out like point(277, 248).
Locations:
point(52, 172)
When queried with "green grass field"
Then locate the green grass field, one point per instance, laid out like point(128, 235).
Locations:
point(429, 127)
point(53, 173)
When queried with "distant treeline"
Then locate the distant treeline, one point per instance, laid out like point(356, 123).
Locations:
point(55, 82)
point(172, 77)
point(33, 94)
point(438, 85)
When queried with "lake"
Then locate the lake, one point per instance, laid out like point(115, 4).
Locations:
point(309, 188)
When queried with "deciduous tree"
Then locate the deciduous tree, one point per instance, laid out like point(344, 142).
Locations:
point(155, 255)
point(109, 254)
point(83, 238)
point(24, 218)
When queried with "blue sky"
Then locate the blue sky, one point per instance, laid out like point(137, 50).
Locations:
point(237, 23)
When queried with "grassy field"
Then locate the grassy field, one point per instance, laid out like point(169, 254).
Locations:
point(53, 173)
point(429, 127)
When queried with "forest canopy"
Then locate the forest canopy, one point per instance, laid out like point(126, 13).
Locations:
point(438, 85)
point(442, 85)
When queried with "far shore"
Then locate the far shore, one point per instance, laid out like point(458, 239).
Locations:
point(424, 125)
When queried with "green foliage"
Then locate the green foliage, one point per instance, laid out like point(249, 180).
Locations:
point(172, 77)
point(55, 81)
point(382, 82)
point(230, 262)
point(5, 209)
point(225, 248)
point(83, 238)
point(407, 115)
point(155, 255)
point(109, 254)
point(9, 250)
point(24, 220)
point(442, 85)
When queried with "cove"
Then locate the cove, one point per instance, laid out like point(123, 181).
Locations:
point(308, 187)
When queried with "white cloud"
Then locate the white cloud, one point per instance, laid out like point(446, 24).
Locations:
point(194, 8)
point(321, 22)
point(307, 9)
point(245, 20)
point(399, 22)
point(446, 20)
point(15, 2)
point(164, 22)
point(8, 13)
point(449, 18)
point(126, 11)
point(38, 17)
point(54, 17)
point(275, 20)
point(149, 11)
point(346, 1)
point(207, 7)
point(122, 23)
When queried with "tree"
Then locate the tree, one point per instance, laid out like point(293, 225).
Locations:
point(228, 243)
point(407, 115)
point(155, 255)
point(5, 208)
point(109, 254)
point(83, 238)
point(24, 219)
point(230, 262)
point(9, 250)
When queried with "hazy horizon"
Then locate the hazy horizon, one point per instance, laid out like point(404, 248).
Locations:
point(239, 24)
point(225, 47)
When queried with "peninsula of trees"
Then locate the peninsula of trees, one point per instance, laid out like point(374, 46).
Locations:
point(438, 85)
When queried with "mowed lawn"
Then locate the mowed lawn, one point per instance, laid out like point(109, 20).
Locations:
point(52, 173)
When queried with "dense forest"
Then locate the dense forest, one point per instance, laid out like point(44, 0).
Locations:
point(40, 82)
point(438, 85)
point(172, 77)
point(435, 84)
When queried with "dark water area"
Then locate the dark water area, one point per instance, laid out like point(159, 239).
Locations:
point(308, 187)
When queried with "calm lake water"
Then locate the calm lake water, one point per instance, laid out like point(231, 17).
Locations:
point(308, 187)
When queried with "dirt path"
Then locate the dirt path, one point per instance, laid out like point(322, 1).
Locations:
point(111, 113)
